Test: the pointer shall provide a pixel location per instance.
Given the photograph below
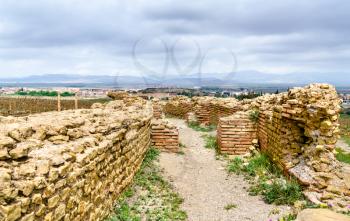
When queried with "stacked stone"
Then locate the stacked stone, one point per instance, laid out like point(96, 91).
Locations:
point(157, 109)
point(236, 133)
point(223, 108)
point(191, 118)
point(70, 165)
point(178, 106)
point(262, 131)
point(299, 130)
point(202, 112)
point(118, 95)
point(22, 105)
point(165, 136)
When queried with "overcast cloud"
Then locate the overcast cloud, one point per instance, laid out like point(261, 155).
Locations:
point(98, 36)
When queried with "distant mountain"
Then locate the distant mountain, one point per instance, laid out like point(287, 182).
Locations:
point(191, 80)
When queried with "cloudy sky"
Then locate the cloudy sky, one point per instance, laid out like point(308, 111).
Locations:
point(179, 37)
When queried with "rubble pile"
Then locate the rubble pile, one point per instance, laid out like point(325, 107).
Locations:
point(165, 136)
point(236, 133)
point(70, 165)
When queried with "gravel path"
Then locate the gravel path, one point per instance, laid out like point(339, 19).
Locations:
point(206, 186)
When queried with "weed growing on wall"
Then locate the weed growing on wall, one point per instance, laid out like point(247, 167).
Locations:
point(150, 197)
point(254, 116)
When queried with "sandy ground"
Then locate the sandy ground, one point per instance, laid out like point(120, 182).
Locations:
point(206, 186)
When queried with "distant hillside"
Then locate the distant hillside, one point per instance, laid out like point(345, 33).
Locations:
point(243, 77)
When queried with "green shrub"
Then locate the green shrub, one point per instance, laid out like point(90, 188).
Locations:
point(282, 192)
point(44, 93)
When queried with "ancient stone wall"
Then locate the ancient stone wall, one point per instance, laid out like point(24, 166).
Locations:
point(23, 105)
point(178, 106)
point(70, 165)
point(223, 108)
point(157, 109)
point(202, 112)
point(299, 130)
point(165, 136)
point(236, 133)
point(209, 110)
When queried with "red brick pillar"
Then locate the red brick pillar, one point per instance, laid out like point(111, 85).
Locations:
point(236, 133)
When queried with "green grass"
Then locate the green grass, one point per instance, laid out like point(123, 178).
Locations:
point(342, 156)
point(150, 197)
point(236, 165)
point(346, 139)
point(197, 127)
point(230, 206)
point(344, 122)
point(267, 180)
point(290, 217)
point(182, 145)
point(210, 142)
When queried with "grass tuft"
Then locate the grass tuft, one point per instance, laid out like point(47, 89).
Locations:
point(150, 197)
point(197, 127)
point(342, 156)
point(210, 142)
point(230, 206)
point(267, 180)
point(254, 116)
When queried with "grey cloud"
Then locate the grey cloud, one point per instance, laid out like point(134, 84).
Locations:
point(273, 32)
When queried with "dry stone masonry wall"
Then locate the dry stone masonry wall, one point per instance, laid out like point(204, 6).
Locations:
point(165, 136)
point(297, 129)
point(70, 165)
point(157, 109)
point(178, 106)
point(236, 133)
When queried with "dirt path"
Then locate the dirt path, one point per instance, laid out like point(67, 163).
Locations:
point(343, 145)
point(206, 186)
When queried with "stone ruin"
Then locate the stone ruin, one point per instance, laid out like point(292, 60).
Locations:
point(297, 129)
point(70, 165)
point(178, 106)
point(236, 133)
point(73, 165)
point(165, 136)
point(157, 109)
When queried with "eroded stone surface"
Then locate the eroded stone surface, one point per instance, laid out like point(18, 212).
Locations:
point(71, 165)
point(321, 215)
